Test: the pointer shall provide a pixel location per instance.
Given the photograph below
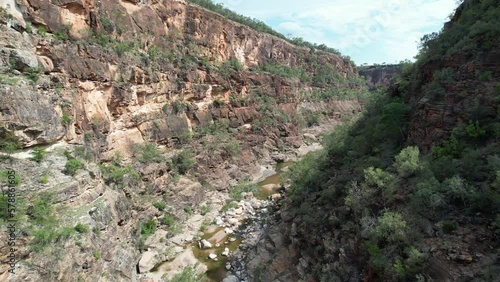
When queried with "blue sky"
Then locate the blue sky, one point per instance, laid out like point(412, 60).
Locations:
point(369, 31)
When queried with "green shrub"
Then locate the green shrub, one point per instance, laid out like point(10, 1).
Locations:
point(179, 107)
point(41, 210)
point(97, 254)
point(64, 233)
point(148, 153)
point(218, 103)
point(72, 166)
point(377, 258)
point(232, 147)
point(63, 33)
point(204, 225)
point(427, 198)
point(445, 76)
point(160, 205)
point(32, 73)
point(377, 177)
point(311, 118)
point(41, 239)
point(457, 190)
point(148, 228)
point(41, 31)
point(122, 47)
point(183, 161)
point(81, 228)
point(188, 209)
point(451, 147)
point(48, 236)
point(449, 227)
point(391, 227)
point(114, 173)
point(407, 161)
point(235, 192)
point(188, 275)
point(39, 154)
point(204, 209)
point(229, 205)
point(66, 120)
point(44, 179)
point(4, 208)
point(393, 121)
point(9, 142)
point(474, 131)
point(107, 24)
point(228, 67)
point(485, 76)
point(167, 220)
point(174, 229)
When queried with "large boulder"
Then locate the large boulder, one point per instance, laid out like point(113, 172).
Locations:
point(147, 261)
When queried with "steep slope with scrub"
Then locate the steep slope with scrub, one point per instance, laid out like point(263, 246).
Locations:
point(411, 190)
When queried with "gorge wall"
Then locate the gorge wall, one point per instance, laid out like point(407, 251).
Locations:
point(97, 82)
point(379, 75)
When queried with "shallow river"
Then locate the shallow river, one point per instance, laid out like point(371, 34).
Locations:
point(217, 269)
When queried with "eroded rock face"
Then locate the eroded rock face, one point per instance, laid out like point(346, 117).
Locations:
point(111, 75)
point(380, 75)
point(111, 93)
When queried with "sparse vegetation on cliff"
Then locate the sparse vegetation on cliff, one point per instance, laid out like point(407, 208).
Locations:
point(259, 25)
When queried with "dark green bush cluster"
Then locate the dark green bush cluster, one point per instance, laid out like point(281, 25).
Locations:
point(228, 68)
point(179, 106)
point(235, 192)
point(39, 154)
point(81, 228)
point(148, 228)
point(167, 219)
point(148, 153)
point(115, 173)
point(72, 166)
point(9, 142)
point(44, 226)
point(183, 161)
point(160, 205)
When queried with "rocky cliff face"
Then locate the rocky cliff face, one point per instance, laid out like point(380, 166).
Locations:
point(97, 79)
point(379, 75)
point(456, 90)
point(115, 65)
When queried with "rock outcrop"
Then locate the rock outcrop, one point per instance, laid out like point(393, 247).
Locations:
point(379, 75)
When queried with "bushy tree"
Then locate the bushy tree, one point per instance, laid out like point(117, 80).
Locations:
point(377, 177)
point(184, 161)
point(391, 227)
point(72, 166)
point(407, 161)
point(39, 154)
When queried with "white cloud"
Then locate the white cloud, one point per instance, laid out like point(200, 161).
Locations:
point(354, 26)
